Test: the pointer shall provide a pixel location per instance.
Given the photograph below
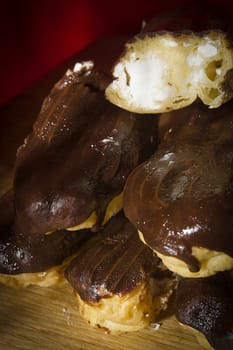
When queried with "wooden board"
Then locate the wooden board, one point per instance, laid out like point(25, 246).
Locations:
point(47, 318)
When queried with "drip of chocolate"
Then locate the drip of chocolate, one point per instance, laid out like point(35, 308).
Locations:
point(20, 253)
point(206, 304)
point(182, 196)
point(114, 262)
point(79, 154)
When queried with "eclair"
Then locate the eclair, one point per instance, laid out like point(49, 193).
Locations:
point(205, 305)
point(71, 170)
point(34, 260)
point(180, 199)
point(120, 284)
point(162, 71)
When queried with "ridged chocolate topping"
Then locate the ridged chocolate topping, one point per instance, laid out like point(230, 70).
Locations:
point(79, 155)
point(206, 304)
point(20, 253)
point(182, 197)
point(115, 262)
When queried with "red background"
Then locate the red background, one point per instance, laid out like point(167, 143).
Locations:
point(35, 36)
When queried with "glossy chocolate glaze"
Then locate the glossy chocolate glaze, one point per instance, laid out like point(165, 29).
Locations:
point(78, 156)
point(20, 253)
point(115, 262)
point(182, 196)
point(206, 304)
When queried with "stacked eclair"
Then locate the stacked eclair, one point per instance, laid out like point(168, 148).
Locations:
point(63, 217)
point(180, 199)
point(126, 206)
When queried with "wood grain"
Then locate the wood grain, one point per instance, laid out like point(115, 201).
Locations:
point(47, 318)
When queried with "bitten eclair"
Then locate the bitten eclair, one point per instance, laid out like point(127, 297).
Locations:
point(120, 284)
point(163, 71)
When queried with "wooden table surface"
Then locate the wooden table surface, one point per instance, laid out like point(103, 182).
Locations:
point(47, 318)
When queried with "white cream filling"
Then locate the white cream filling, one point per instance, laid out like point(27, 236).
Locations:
point(135, 75)
point(87, 65)
point(208, 49)
point(163, 73)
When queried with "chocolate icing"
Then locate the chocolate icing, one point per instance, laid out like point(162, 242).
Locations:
point(20, 253)
point(78, 156)
point(114, 262)
point(182, 196)
point(206, 304)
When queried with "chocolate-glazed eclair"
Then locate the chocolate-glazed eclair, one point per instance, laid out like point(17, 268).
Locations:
point(40, 260)
point(120, 284)
point(72, 168)
point(206, 306)
point(162, 71)
point(181, 198)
